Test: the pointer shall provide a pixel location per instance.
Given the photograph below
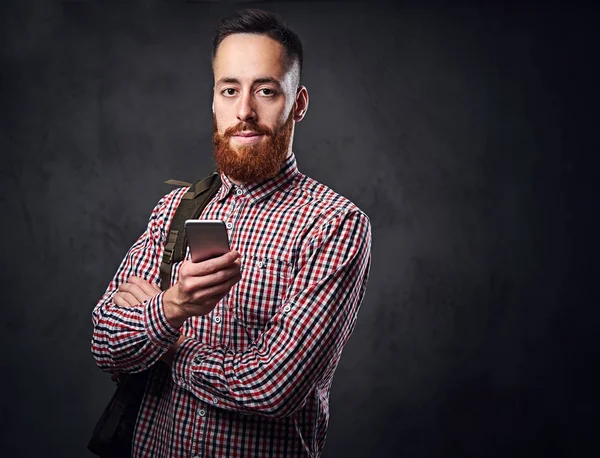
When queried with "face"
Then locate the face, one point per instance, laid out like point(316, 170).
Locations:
point(256, 103)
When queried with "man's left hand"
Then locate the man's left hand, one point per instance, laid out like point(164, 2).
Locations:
point(135, 291)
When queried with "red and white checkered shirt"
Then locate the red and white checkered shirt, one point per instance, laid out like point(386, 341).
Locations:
point(253, 377)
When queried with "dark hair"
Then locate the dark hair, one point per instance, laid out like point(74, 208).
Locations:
point(261, 23)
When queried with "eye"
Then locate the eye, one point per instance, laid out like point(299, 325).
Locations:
point(229, 92)
point(267, 92)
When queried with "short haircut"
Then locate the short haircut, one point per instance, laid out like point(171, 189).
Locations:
point(260, 22)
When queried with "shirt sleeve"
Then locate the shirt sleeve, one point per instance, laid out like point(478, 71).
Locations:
point(131, 339)
point(302, 343)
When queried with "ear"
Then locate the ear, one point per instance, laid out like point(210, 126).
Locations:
point(213, 106)
point(301, 103)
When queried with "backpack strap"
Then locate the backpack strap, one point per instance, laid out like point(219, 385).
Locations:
point(193, 202)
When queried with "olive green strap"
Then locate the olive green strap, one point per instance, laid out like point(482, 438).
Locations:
point(191, 206)
point(178, 183)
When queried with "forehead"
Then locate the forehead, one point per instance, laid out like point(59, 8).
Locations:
point(245, 56)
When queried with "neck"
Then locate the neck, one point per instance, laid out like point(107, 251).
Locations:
point(241, 183)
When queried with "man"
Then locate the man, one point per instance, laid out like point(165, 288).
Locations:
point(245, 345)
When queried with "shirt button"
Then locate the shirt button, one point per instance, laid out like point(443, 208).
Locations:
point(198, 360)
point(261, 264)
point(229, 226)
point(287, 308)
point(215, 401)
point(239, 192)
point(218, 319)
point(202, 413)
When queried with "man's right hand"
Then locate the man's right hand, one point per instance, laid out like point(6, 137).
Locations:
point(200, 287)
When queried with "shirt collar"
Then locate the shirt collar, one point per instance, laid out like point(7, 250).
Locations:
point(260, 190)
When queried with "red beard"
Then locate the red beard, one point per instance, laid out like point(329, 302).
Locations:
point(252, 163)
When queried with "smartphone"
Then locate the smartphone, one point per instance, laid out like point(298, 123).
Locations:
point(207, 238)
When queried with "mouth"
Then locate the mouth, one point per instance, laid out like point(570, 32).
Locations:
point(246, 133)
point(247, 137)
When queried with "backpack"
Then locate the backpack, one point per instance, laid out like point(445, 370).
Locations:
point(113, 433)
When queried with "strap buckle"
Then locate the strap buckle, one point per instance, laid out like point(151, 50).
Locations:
point(167, 256)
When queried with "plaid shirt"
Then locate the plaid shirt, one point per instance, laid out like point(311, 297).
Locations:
point(252, 378)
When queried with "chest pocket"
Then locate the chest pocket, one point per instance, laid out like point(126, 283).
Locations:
point(261, 291)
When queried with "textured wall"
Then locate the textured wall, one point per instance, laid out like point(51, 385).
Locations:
point(452, 128)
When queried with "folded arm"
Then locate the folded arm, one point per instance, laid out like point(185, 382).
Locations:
point(131, 330)
point(302, 343)
point(130, 338)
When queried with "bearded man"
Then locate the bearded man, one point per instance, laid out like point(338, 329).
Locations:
point(248, 341)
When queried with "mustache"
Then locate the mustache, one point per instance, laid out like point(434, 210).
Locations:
point(242, 126)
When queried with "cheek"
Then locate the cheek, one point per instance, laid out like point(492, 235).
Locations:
point(221, 125)
point(286, 112)
point(273, 120)
point(222, 117)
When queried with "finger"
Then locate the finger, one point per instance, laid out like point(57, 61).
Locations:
point(193, 283)
point(129, 299)
point(216, 290)
point(222, 275)
point(212, 265)
point(122, 301)
point(147, 287)
point(218, 297)
point(135, 291)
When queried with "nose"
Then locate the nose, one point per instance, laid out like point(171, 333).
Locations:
point(246, 110)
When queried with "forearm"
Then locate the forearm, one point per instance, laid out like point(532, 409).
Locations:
point(237, 382)
point(131, 339)
point(301, 344)
point(273, 377)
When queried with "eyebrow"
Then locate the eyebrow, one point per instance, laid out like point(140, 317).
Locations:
point(265, 79)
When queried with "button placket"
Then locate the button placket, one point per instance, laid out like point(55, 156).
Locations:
point(199, 439)
point(218, 321)
point(231, 218)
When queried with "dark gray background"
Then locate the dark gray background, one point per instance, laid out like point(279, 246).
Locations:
point(467, 134)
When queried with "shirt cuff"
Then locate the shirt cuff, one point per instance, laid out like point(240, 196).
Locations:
point(160, 332)
point(187, 361)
